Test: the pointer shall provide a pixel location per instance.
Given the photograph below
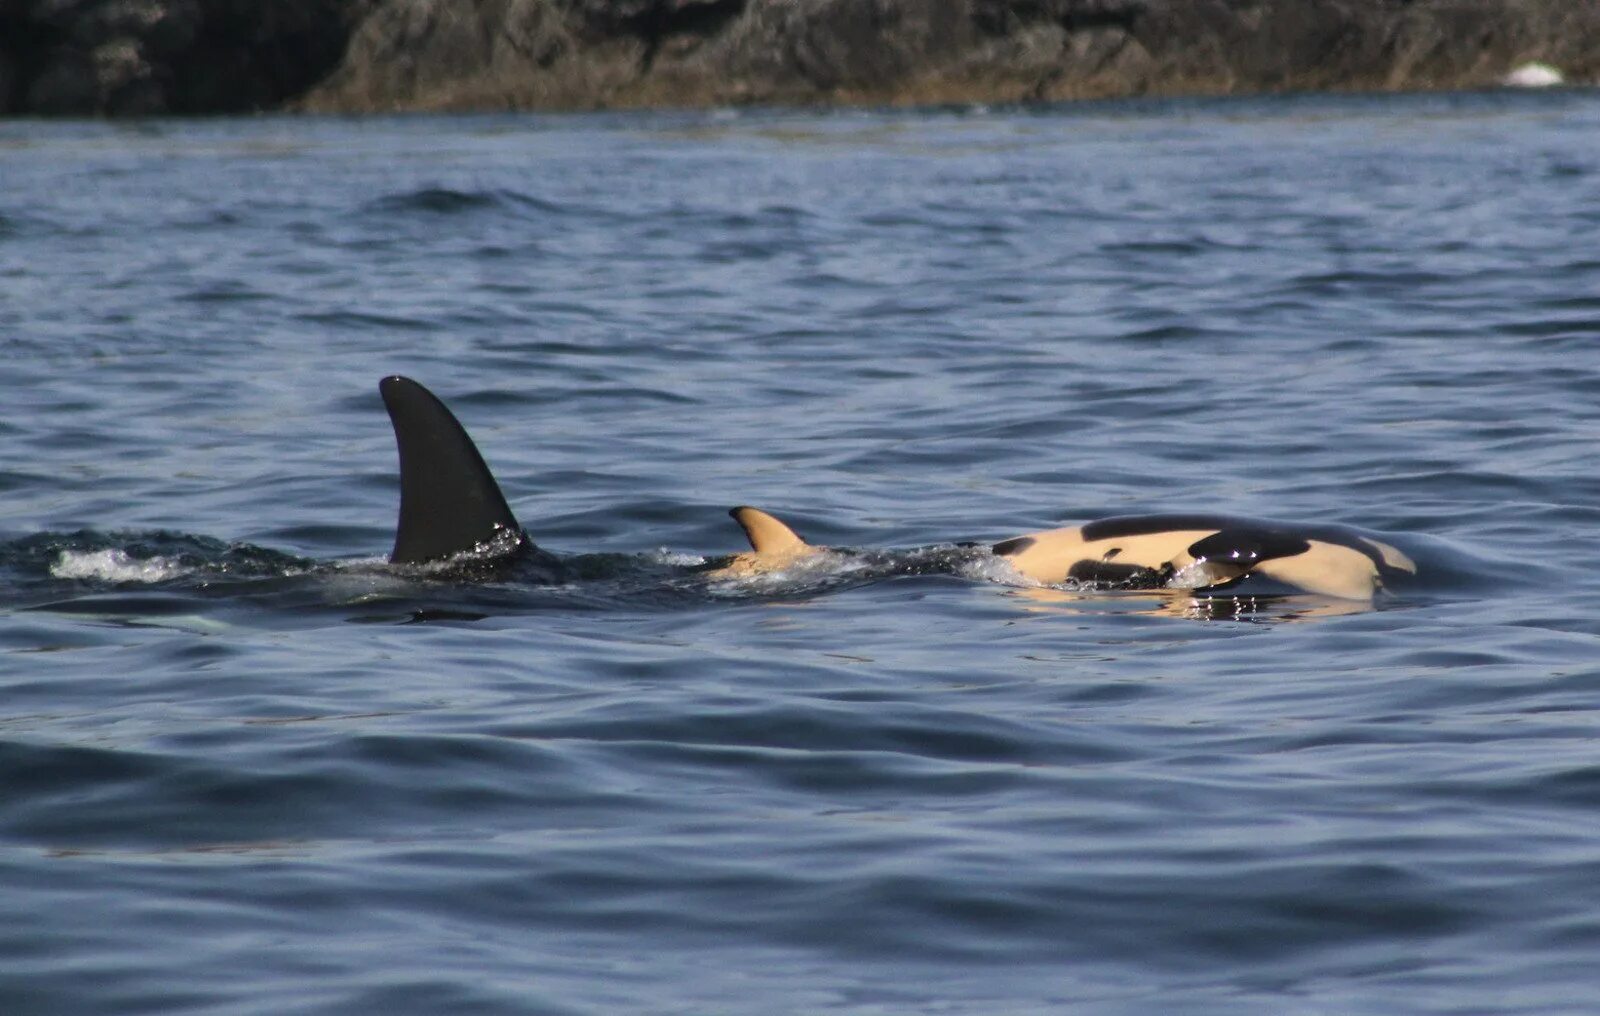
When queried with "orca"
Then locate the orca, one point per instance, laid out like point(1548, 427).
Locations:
point(451, 509)
point(773, 545)
point(1208, 552)
point(1198, 553)
point(454, 517)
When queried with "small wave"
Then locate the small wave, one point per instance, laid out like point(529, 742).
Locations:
point(115, 566)
point(834, 568)
point(1192, 245)
point(447, 201)
point(15, 223)
point(359, 320)
point(1163, 333)
point(230, 292)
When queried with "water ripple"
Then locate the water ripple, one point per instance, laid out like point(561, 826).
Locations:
point(250, 767)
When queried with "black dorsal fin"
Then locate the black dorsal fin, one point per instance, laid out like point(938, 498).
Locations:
point(449, 502)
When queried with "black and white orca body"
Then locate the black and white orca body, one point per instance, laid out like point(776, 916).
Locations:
point(1207, 552)
point(1180, 552)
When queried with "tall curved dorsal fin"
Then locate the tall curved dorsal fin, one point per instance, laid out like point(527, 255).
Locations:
point(766, 534)
point(449, 502)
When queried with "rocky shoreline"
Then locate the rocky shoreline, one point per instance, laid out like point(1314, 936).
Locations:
point(145, 57)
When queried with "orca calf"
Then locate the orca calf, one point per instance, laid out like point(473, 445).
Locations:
point(1199, 553)
point(1208, 552)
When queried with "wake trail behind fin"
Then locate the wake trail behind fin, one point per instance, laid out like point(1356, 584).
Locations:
point(449, 501)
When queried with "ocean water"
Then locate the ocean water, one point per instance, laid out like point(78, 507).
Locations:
point(248, 768)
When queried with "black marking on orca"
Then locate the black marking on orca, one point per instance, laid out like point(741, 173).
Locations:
point(1141, 525)
point(1123, 576)
point(449, 501)
point(1246, 547)
point(1113, 552)
point(1016, 545)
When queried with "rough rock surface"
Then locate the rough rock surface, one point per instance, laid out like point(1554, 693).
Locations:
point(598, 53)
point(167, 56)
point(193, 56)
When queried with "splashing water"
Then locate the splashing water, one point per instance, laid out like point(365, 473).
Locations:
point(114, 565)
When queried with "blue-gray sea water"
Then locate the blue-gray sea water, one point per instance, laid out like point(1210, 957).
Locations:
point(247, 768)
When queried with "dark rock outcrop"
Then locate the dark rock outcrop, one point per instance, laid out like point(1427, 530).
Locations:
point(121, 57)
point(210, 56)
point(452, 54)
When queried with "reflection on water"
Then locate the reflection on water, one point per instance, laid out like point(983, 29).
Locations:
point(1182, 603)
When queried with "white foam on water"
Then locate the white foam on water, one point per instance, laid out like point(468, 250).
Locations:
point(114, 566)
point(360, 564)
point(994, 568)
point(675, 558)
point(807, 572)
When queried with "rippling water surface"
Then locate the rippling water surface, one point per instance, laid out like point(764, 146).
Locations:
point(247, 768)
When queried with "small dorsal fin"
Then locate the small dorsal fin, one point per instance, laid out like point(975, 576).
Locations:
point(449, 501)
point(766, 534)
